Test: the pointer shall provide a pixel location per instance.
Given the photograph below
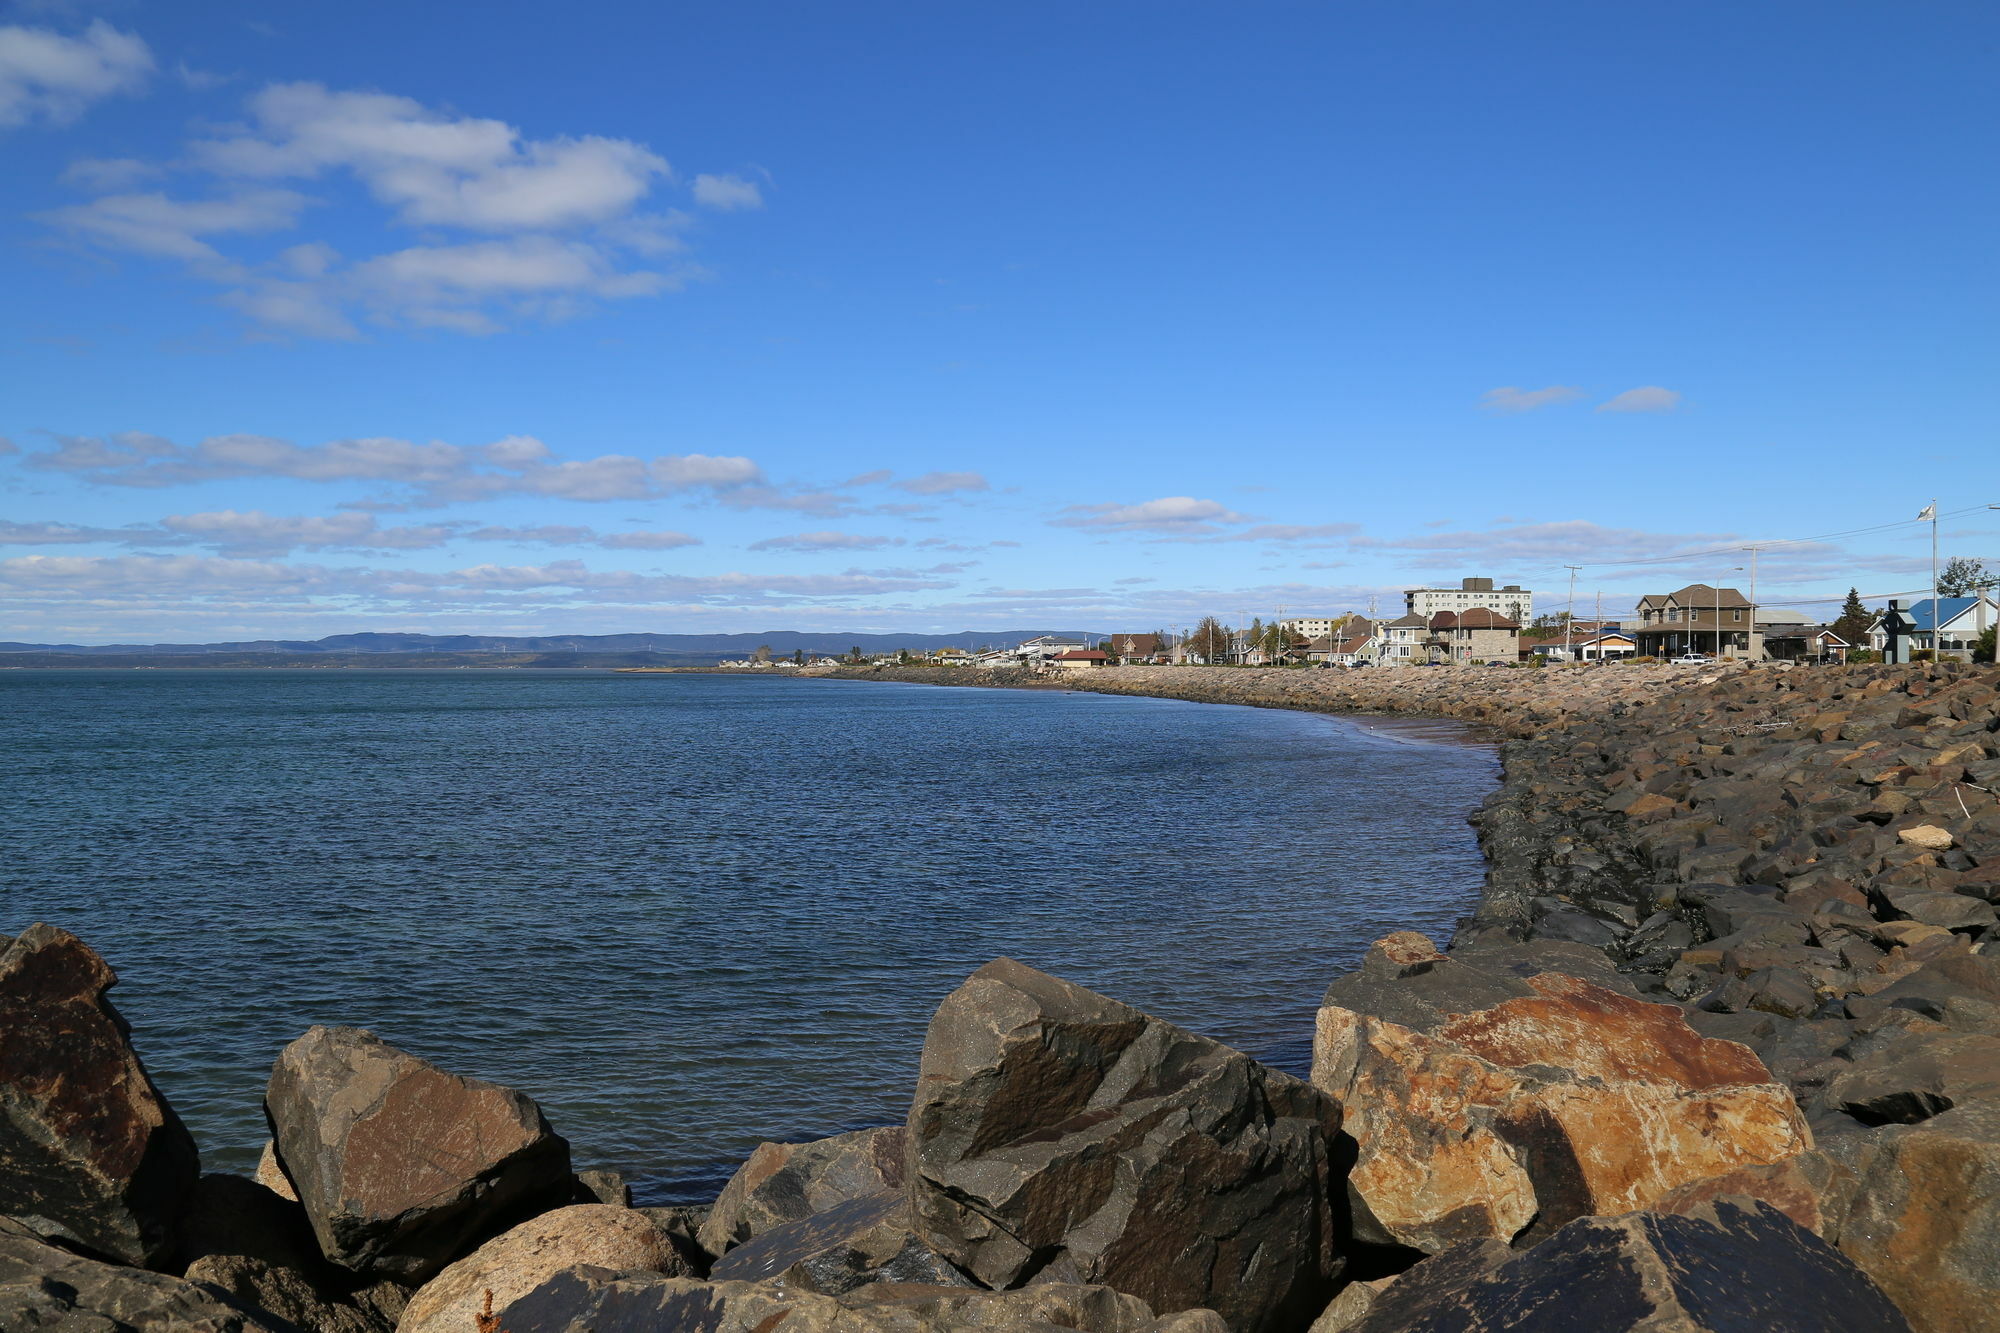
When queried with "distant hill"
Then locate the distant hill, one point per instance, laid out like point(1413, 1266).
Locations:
point(543, 649)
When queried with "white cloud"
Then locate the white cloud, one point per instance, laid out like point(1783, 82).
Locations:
point(727, 194)
point(97, 174)
point(427, 474)
point(556, 223)
point(943, 483)
point(154, 224)
point(52, 78)
point(1179, 515)
point(432, 168)
point(255, 533)
point(1509, 399)
point(553, 534)
point(1646, 398)
point(824, 541)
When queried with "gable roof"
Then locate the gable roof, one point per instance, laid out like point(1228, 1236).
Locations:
point(1476, 618)
point(1708, 595)
point(1082, 655)
point(1410, 621)
point(1920, 612)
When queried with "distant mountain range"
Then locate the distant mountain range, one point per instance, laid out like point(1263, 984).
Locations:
point(685, 649)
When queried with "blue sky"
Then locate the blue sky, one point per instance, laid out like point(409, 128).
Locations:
point(898, 316)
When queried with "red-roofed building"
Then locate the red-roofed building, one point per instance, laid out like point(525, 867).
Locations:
point(1473, 638)
point(1082, 659)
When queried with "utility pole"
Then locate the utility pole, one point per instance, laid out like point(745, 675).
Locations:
point(1569, 619)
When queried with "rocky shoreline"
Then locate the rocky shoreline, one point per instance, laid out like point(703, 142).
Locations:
point(1720, 1049)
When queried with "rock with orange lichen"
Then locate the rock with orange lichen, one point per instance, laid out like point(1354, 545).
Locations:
point(401, 1166)
point(1511, 1119)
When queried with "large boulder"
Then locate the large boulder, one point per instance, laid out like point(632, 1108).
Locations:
point(90, 1152)
point(1534, 1109)
point(788, 1182)
point(1059, 1136)
point(1735, 1268)
point(850, 1245)
point(596, 1300)
point(515, 1262)
point(401, 1166)
point(1922, 1215)
point(42, 1287)
point(288, 1294)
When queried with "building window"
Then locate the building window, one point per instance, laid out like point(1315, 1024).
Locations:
point(1736, 616)
point(1674, 614)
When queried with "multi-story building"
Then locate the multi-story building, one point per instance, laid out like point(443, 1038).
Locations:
point(1312, 627)
point(1513, 601)
point(1399, 642)
point(1472, 638)
point(1699, 618)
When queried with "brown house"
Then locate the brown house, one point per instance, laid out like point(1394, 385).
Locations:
point(1699, 618)
point(1135, 648)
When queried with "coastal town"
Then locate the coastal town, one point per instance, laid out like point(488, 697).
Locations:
point(1478, 624)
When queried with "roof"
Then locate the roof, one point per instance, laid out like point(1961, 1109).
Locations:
point(1081, 655)
point(1412, 620)
point(1920, 612)
point(1708, 595)
point(1476, 618)
point(1140, 643)
point(1608, 635)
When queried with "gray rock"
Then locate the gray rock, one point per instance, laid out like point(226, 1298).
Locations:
point(90, 1152)
point(234, 1215)
point(402, 1167)
point(849, 1245)
point(1057, 1135)
point(788, 1182)
point(1922, 1215)
point(1728, 1269)
point(286, 1294)
point(597, 1300)
point(42, 1287)
point(603, 1187)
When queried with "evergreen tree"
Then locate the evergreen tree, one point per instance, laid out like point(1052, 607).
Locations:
point(1854, 621)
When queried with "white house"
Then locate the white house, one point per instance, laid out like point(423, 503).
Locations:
point(1964, 620)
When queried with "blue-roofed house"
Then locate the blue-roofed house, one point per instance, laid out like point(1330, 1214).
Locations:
point(1960, 622)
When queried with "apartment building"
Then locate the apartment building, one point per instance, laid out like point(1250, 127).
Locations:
point(1512, 601)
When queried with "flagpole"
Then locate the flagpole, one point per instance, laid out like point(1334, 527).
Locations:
point(1937, 612)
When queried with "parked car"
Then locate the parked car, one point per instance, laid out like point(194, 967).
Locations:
point(1692, 659)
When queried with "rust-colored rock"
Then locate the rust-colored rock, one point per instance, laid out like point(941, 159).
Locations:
point(400, 1166)
point(1570, 1101)
point(90, 1152)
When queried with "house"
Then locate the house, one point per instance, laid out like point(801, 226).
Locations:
point(1964, 620)
point(1793, 642)
point(1049, 645)
point(1079, 659)
point(1699, 618)
point(1605, 646)
point(1472, 638)
point(951, 657)
point(1512, 601)
point(1130, 649)
point(1399, 642)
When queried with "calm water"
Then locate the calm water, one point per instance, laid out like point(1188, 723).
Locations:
point(690, 912)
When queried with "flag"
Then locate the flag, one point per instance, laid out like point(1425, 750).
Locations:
point(1930, 513)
